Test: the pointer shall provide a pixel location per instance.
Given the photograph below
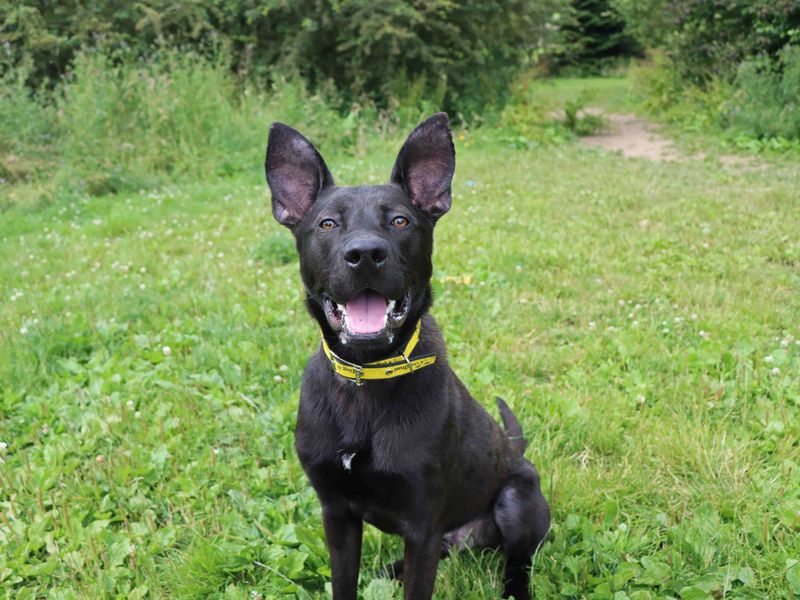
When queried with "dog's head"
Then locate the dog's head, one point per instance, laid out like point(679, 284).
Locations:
point(365, 251)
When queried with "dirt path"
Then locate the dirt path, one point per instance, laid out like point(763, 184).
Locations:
point(635, 137)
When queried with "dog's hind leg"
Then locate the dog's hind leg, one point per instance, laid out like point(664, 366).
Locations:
point(479, 534)
point(523, 518)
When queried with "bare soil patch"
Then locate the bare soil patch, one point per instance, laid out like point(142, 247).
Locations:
point(635, 137)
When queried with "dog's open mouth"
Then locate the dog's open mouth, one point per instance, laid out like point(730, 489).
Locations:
point(367, 314)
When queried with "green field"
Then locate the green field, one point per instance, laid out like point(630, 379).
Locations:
point(641, 318)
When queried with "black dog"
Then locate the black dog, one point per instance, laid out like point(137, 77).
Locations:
point(386, 431)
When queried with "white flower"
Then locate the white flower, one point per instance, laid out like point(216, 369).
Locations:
point(100, 459)
point(278, 378)
point(166, 350)
point(283, 368)
point(768, 359)
point(3, 446)
point(775, 371)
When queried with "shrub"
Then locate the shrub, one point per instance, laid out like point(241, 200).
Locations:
point(27, 129)
point(708, 39)
point(767, 101)
point(728, 64)
point(462, 54)
point(649, 21)
point(593, 34)
point(122, 125)
point(126, 126)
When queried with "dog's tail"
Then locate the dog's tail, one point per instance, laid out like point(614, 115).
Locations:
point(512, 427)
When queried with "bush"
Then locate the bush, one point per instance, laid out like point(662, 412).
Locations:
point(462, 54)
point(27, 129)
point(708, 39)
point(648, 21)
point(758, 110)
point(767, 101)
point(592, 35)
point(727, 64)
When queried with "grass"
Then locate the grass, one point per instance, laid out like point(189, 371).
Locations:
point(640, 318)
point(611, 94)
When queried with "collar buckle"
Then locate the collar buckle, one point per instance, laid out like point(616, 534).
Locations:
point(381, 369)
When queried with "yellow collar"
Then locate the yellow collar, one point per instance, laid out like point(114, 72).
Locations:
point(381, 369)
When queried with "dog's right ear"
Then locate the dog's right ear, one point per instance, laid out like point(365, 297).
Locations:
point(295, 172)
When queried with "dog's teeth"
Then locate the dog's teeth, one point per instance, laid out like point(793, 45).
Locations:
point(390, 307)
point(342, 309)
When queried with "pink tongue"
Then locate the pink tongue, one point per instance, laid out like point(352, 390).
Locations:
point(366, 312)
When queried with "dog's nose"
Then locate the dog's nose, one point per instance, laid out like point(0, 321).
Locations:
point(366, 250)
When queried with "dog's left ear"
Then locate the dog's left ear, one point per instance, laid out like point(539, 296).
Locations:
point(425, 166)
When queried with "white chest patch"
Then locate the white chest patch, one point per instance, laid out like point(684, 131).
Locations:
point(347, 460)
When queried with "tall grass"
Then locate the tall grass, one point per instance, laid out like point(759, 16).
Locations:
point(115, 125)
point(757, 110)
point(27, 129)
point(767, 102)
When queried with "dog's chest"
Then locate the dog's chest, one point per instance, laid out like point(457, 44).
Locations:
point(379, 497)
point(372, 478)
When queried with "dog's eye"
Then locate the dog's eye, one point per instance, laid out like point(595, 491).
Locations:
point(328, 224)
point(400, 222)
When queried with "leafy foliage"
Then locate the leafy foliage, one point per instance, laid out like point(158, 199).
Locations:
point(711, 38)
point(712, 48)
point(463, 53)
point(594, 33)
point(767, 102)
point(121, 126)
point(127, 126)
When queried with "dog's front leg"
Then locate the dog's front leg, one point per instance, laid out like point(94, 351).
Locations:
point(420, 560)
point(343, 535)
